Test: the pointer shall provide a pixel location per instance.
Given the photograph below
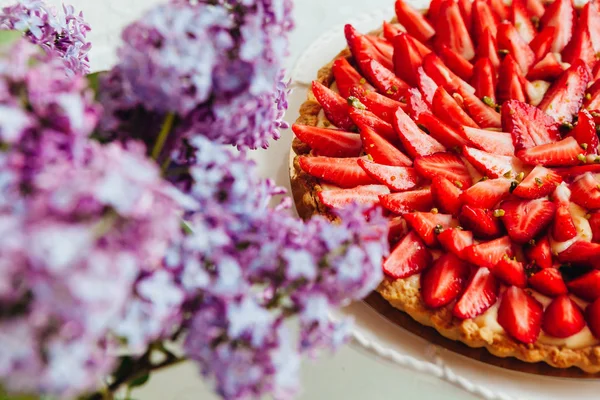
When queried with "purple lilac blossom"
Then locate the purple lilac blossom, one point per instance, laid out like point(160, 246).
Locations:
point(63, 32)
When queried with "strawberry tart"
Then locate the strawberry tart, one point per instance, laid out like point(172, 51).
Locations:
point(474, 126)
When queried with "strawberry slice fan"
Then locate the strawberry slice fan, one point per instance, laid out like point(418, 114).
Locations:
point(474, 126)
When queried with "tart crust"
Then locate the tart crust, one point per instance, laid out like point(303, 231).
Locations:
point(404, 295)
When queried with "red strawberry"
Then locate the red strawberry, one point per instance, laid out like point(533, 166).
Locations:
point(488, 254)
point(581, 253)
point(483, 115)
point(435, 68)
point(395, 178)
point(364, 118)
point(446, 165)
point(363, 50)
point(511, 81)
point(484, 80)
point(452, 31)
point(525, 219)
point(481, 222)
point(405, 202)
point(483, 19)
point(487, 193)
point(580, 48)
point(561, 15)
point(488, 49)
point(382, 151)
point(398, 230)
point(585, 191)
point(592, 316)
point(528, 125)
point(480, 294)
point(563, 318)
point(415, 141)
point(466, 12)
point(329, 142)
point(539, 183)
point(445, 134)
point(378, 104)
point(548, 282)
point(414, 22)
point(500, 8)
point(408, 258)
point(563, 228)
point(346, 77)
point(406, 59)
point(385, 80)
point(586, 286)
point(416, 104)
point(448, 110)
point(596, 72)
point(384, 47)
point(491, 165)
point(565, 96)
point(456, 241)
point(592, 97)
point(434, 11)
point(339, 198)
point(428, 225)
point(595, 225)
point(590, 18)
point(547, 69)
point(509, 39)
point(491, 141)
point(559, 154)
point(520, 18)
point(535, 8)
point(540, 253)
point(426, 85)
point(334, 106)
point(457, 63)
point(520, 315)
point(443, 282)
point(391, 30)
point(343, 172)
point(446, 195)
point(511, 272)
point(542, 42)
point(585, 132)
point(574, 172)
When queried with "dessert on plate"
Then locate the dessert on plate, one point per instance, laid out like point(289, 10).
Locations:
point(474, 126)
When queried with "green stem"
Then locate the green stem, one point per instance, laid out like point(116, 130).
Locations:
point(165, 130)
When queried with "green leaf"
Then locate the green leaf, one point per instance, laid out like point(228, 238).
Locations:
point(139, 381)
point(94, 81)
point(9, 37)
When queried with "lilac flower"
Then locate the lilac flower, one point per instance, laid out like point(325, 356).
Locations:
point(61, 32)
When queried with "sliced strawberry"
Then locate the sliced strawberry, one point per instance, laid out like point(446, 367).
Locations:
point(548, 282)
point(483, 115)
point(511, 272)
point(378, 104)
point(382, 151)
point(595, 225)
point(391, 30)
point(488, 254)
point(445, 165)
point(528, 125)
point(574, 172)
point(427, 225)
point(456, 241)
point(416, 104)
point(346, 77)
point(366, 195)
point(590, 18)
point(480, 294)
point(385, 80)
point(500, 8)
point(426, 85)
point(466, 12)
point(406, 59)
point(408, 258)
point(487, 193)
point(511, 81)
point(396, 178)
point(363, 50)
point(484, 80)
point(364, 118)
point(447, 109)
point(561, 15)
point(491, 165)
point(446, 195)
point(563, 228)
point(535, 8)
point(580, 48)
point(592, 97)
point(509, 39)
point(548, 69)
point(398, 230)
point(452, 31)
point(384, 47)
point(539, 183)
point(585, 192)
point(329, 142)
point(565, 96)
point(488, 49)
point(416, 142)
point(586, 286)
point(414, 22)
point(585, 132)
point(521, 19)
point(443, 282)
point(559, 154)
point(435, 68)
point(343, 172)
point(596, 72)
point(490, 141)
point(520, 315)
point(539, 253)
point(405, 202)
point(334, 106)
point(483, 19)
point(442, 132)
point(542, 42)
point(481, 222)
point(525, 219)
point(457, 63)
point(434, 11)
point(581, 253)
point(592, 316)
